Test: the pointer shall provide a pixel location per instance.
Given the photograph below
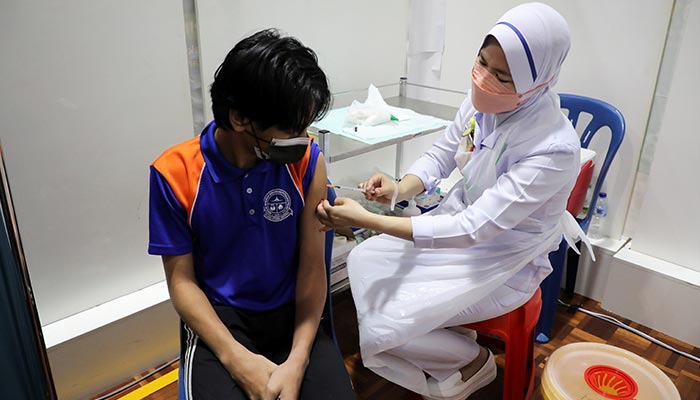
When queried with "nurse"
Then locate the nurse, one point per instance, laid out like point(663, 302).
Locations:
point(483, 252)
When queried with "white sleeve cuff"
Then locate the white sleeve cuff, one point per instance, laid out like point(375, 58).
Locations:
point(423, 234)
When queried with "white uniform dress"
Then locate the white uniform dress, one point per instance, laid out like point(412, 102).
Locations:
point(483, 251)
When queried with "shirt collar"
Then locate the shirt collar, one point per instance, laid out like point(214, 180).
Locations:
point(488, 135)
point(221, 169)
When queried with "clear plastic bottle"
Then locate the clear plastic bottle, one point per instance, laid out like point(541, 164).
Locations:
point(601, 211)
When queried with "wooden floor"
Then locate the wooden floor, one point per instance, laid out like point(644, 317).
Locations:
point(568, 328)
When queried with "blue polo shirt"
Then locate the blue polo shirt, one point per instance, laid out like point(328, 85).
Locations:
point(241, 226)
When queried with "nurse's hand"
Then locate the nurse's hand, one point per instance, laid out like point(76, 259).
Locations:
point(379, 188)
point(345, 213)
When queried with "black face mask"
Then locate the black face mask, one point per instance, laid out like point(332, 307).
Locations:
point(282, 151)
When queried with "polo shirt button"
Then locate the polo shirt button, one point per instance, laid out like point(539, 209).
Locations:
point(251, 211)
point(245, 176)
point(249, 190)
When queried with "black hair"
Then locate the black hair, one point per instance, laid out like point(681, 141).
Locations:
point(488, 41)
point(272, 80)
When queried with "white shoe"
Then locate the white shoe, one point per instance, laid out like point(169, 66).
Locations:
point(470, 333)
point(454, 388)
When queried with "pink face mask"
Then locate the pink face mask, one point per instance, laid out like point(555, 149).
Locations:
point(491, 96)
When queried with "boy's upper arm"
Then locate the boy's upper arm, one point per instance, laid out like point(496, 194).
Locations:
point(179, 268)
point(312, 237)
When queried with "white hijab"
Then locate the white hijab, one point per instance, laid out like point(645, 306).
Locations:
point(535, 39)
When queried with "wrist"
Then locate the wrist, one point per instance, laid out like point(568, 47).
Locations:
point(235, 362)
point(400, 191)
point(298, 360)
point(395, 194)
point(409, 186)
point(365, 219)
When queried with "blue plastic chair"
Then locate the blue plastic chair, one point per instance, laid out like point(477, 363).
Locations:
point(603, 114)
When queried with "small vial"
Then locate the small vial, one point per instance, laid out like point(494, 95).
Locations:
point(402, 86)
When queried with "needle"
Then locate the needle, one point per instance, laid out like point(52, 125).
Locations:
point(346, 187)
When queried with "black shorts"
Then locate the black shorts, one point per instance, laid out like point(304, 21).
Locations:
point(269, 334)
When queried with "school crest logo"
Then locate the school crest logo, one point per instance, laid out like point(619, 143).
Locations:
point(278, 205)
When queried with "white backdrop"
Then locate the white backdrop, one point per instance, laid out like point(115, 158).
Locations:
point(668, 223)
point(92, 92)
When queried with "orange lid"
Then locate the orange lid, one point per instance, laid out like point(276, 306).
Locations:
point(611, 382)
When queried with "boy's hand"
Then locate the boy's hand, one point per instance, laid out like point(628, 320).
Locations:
point(254, 377)
point(286, 380)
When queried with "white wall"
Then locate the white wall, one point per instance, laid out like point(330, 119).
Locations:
point(615, 56)
point(92, 92)
point(667, 227)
